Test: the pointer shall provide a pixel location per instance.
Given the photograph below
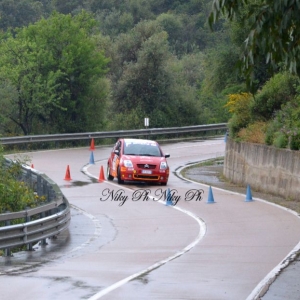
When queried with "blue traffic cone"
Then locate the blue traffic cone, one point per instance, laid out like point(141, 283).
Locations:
point(169, 198)
point(210, 196)
point(249, 194)
point(92, 162)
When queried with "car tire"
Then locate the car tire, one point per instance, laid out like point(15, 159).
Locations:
point(120, 181)
point(109, 177)
point(164, 183)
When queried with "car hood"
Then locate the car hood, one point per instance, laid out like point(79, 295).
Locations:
point(144, 159)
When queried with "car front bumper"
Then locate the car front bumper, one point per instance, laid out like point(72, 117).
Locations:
point(128, 174)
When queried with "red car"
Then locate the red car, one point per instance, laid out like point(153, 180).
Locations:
point(138, 160)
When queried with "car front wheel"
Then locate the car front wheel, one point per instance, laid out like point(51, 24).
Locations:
point(109, 177)
point(120, 181)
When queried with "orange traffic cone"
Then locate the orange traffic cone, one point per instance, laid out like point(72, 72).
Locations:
point(101, 176)
point(68, 175)
point(92, 147)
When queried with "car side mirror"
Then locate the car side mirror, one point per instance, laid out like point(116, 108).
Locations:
point(167, 155)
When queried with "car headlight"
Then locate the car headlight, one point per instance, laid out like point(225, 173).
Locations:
point(163, 165)
point(128, 163)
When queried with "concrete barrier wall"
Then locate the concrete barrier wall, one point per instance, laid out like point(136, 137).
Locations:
point(264, 168)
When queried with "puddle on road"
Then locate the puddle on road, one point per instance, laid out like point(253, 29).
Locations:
point(78, 183)
point(207, 175)
point(72, 242)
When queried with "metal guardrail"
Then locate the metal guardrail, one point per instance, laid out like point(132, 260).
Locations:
point(39, 223)
point(110, 134)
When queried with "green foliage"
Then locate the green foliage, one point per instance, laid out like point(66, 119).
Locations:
point(67, 7)
point(15, 195)
point(280, 140)
point(146, 80)
point(219, 69)
point(234, 126)
point(139, 9)
point(279, 90)
point(283, 129)
point(115, 22)
point(163, 87)
point(295, 141)
point(272, 127)
point(174, 26)
point(271, 117)
point(277, 105)
point(19, 13)
point(126, 120)
point(274, 31)
point(96, 105)
point(238, 31)
point(212, 109)
point(165, 64)
point(239, 106)
point(52, 65)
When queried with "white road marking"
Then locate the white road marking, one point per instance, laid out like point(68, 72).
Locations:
point(270, 278)
point(202, 231)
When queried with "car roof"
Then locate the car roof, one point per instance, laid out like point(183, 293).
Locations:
point(139, 141)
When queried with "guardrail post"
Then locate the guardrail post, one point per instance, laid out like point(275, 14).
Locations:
point(7, 251)
point(45, 188)
point(39, 185)
point(27, 219)
point(50, 193)
point(43, 241)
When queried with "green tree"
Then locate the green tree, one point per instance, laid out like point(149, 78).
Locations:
point(67, 7)
point(114, 22)
point(139, 9)
point(280, 89)
point(173, 25)
point(238, 30)
point(52, 66)
point(147, 81)
point(32, 93)
point(274, 31)
point(19, 13)
point(219, 69)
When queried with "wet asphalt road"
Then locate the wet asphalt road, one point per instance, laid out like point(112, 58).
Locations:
point(145, 249)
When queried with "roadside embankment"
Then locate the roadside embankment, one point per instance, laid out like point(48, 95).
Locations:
point(273, 174)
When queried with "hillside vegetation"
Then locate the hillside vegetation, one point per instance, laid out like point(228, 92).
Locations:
point(78, 66)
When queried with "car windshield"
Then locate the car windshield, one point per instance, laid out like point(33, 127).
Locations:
point(141, 149)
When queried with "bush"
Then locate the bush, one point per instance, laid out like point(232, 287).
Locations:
point(295, 142)
point(280, 140)
point(253, 133)
point(15, 195)
point(279, 90)
point(239, 105)
point(272, 127)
